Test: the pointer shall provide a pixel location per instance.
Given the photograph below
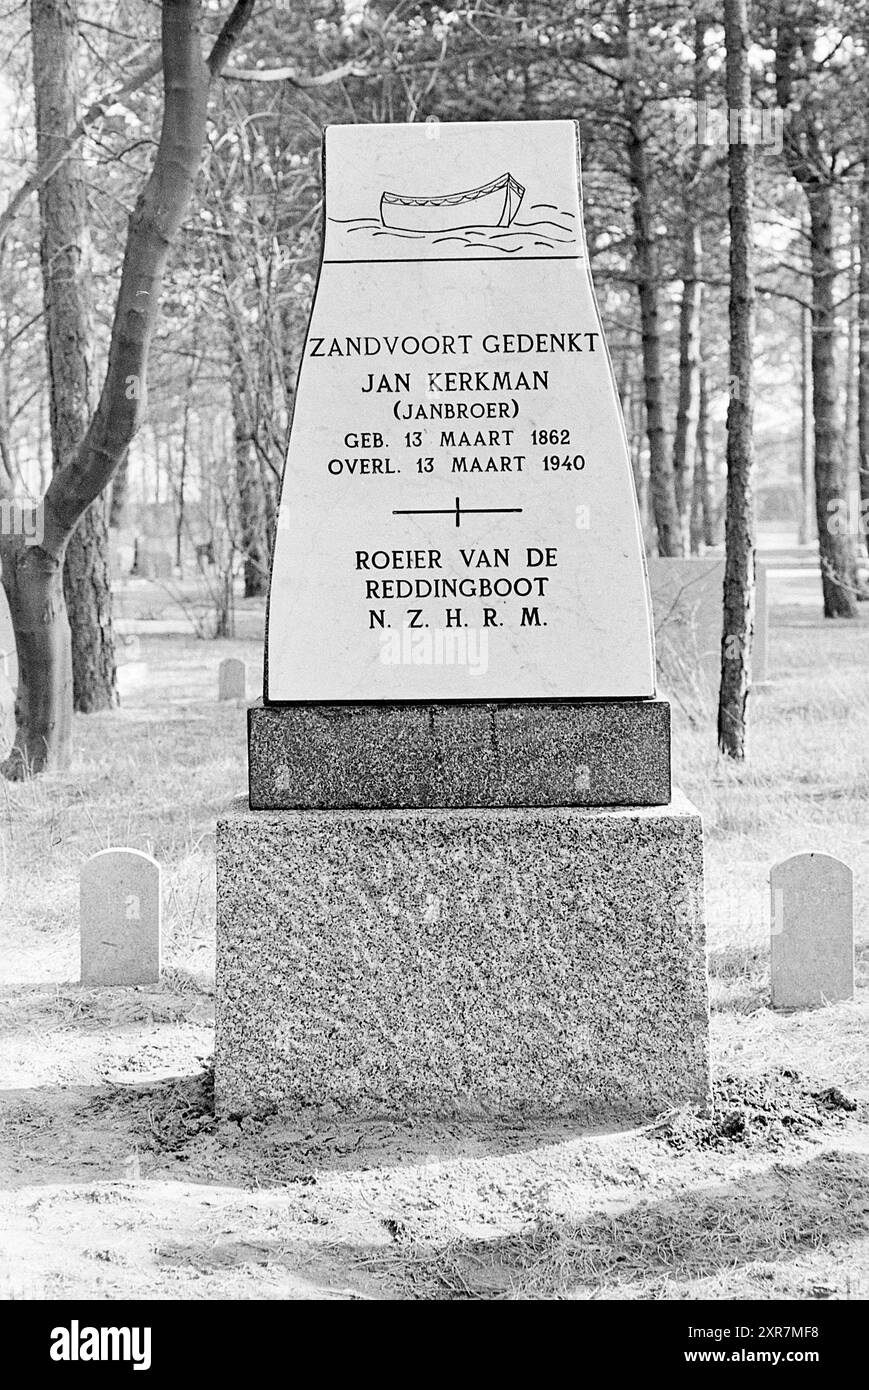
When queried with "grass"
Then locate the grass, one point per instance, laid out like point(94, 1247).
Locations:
point(152, 775)
point(141, 1191)
point(805, 787)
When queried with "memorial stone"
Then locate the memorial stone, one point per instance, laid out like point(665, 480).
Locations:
point(459, 679)
point(458, 478)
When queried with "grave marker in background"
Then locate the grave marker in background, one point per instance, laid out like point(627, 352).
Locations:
point(812, 931)
point(120, 904)
point(232, 679)
point(687, 602)
point(163, 564)
point(122, 552)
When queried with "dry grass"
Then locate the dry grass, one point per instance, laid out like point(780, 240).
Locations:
point(139, 1192)
point(806, 786)
point(669, 1248)
point(153, 775)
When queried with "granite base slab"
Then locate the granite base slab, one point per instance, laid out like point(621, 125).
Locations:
point(515, 963)
point(553, 753)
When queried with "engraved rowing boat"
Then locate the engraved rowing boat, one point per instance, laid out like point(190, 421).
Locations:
point(493, 204)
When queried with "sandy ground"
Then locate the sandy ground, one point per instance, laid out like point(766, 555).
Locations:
point(132, 1188)
point(117, 1180)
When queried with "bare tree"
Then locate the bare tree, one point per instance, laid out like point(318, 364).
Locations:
point(247, 255)
point(739, 566)
point(804, 529)
point(688, 408)
point(32, 574)
point(662, 486)
point(814, 168)
point(863, 347)
point(703, 519)
point(63, 255)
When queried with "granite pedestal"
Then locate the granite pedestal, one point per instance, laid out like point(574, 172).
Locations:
point(543, 753)
point(535, 962)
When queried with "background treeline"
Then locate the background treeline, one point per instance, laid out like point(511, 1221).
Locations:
point(646, 83)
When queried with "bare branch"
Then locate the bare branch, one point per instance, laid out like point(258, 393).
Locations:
point(95, 112)
point(158, 214)
point(223, 46)
point(296, 78)
point(229, 36)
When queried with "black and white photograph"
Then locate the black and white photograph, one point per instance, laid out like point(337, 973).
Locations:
point(434, 669)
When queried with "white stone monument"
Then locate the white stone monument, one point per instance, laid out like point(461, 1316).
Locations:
point(462, 886)
point(471, 474)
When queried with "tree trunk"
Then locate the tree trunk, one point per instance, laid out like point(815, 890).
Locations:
point(251, 501)
point(88, 596)
point(118, 505)
point(270, 504)
point(253, 407)
point(7, 481)
point(815, 170)
point(739, 575)
point(838, 571)
point(40, 445)
point(69, 335)
point(685, 439)
point(627, 395)
point(662, 486)
point(863, 354)
point(638, 450)
point(31, 574)
point(702, 507)
point(33, 581)
point(805, 529)
point(849, 428)
point(180, 500)
point(688, 408)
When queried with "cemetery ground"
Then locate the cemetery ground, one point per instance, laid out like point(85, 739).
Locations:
point(118, 1181)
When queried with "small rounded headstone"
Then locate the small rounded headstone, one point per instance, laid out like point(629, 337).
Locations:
point(120, 904)
point(232, 679)
point(812, 931)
